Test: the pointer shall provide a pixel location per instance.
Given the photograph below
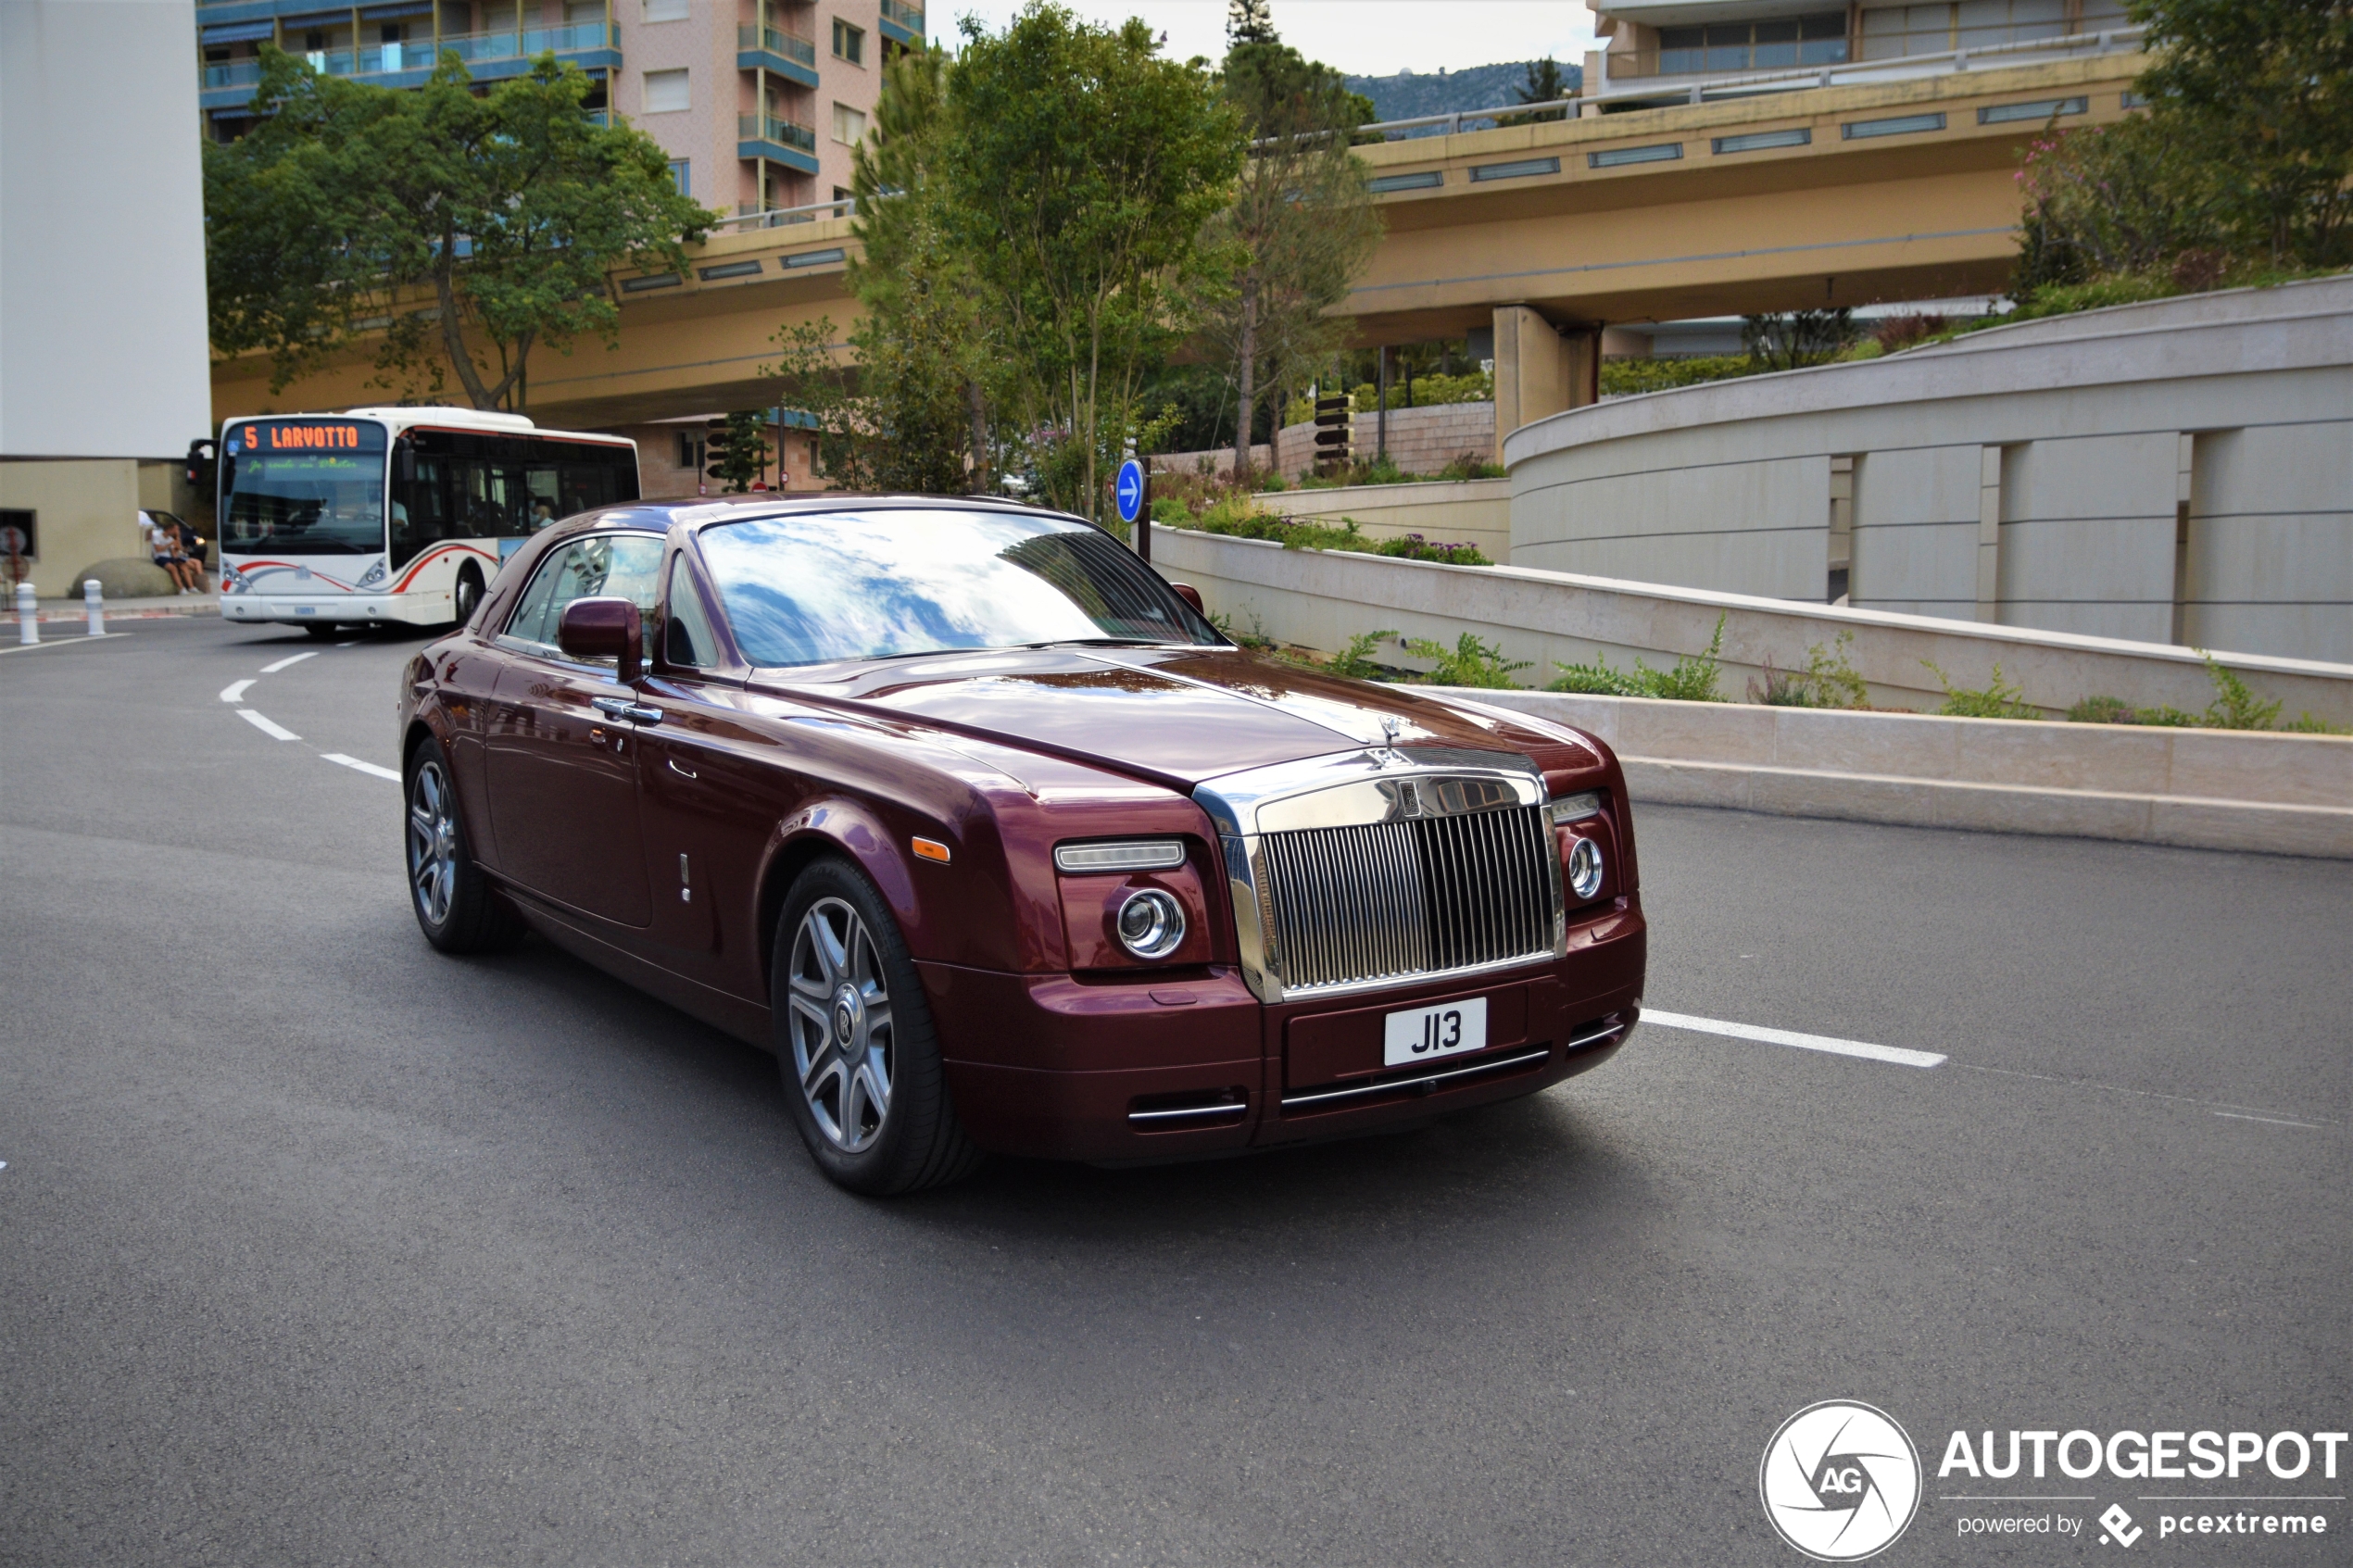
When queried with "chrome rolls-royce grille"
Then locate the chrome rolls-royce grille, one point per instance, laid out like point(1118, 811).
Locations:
point(1397, 899)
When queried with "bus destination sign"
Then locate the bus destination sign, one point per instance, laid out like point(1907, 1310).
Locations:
point(288, 436)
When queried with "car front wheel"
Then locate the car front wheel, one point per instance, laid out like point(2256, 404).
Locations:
point(855, 1043)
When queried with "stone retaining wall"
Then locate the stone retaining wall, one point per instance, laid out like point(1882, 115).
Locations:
point(1421, 439)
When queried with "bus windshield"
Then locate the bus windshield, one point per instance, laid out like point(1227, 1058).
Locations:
point(303, 489)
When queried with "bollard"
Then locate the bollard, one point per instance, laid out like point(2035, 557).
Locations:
point(94, 599)
point(28, 615)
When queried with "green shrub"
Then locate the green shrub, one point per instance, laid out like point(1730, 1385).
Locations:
point(1994, 700)
point(2235, 707)
point(1827, 680)
point(1356, 661)
point(1625, 378)
point(2305, 725)
point(1469, 663)
point(1693, 678)
point(1255, 639)
point(1471, 465)
point(2102, 711)
point(1236, 516)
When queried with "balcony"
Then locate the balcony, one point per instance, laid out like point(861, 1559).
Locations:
point(776, 139)
point(486, 55)
point(902, 23)
point(768, 48)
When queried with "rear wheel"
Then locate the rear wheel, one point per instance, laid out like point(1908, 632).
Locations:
point(454, 907)
point(855, 1043)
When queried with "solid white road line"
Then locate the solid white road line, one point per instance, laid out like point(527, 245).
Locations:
point(235, 692)
point(2270, 1121)
point(275, 731)
point(62, 643)
point(290, 658)
point(1895, 1054)
point(368, 768)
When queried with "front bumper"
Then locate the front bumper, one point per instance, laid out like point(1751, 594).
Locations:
point(1057, 1067)
point(340, 609)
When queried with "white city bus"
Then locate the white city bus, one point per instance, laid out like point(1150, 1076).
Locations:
point(374, 515)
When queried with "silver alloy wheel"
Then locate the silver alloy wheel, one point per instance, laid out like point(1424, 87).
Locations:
point(841, 1026)
point(432, 842)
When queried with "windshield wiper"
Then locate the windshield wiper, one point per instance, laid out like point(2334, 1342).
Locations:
point(1098, 642)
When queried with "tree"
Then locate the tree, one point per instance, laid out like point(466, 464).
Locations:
point(928, 359)
point(739, 452)
point(1300, 226)
point(1546, 85)
point(1078, 175)
point(1249, 21)
point(2263, 89)
point(1802, 337)
point(458, 231)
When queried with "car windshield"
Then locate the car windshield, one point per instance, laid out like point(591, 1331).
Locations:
point(309, 488)
point(818, 586)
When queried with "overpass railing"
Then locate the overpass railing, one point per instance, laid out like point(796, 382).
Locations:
point(779, 217)
point(1655, 91)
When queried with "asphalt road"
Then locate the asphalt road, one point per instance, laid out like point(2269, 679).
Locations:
point(316, 1247)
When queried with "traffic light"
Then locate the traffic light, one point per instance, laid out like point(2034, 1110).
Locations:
point(715, 445)
point(1331, 434)
point(201, 466)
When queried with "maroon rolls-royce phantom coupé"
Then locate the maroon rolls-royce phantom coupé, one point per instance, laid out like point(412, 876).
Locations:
point(998, 844)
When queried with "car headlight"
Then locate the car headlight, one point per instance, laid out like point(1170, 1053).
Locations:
point(1576, 807)
point(1585, 869)
point(1150, 923)
point(375, 575)
point(1137, 855)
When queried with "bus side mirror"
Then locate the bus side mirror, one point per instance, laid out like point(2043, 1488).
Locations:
point(603, 628)
point(404, 463)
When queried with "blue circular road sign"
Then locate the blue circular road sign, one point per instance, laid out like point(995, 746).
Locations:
point(1128, 490)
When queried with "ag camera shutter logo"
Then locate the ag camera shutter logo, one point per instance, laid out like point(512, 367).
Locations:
point(1841, 1481)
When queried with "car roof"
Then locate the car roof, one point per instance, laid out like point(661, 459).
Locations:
point(659, 517)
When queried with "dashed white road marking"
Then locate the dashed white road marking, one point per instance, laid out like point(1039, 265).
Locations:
point(2268, 1120)
point(275, 731)
point(290, 658)
point(368, 768)
point(1896, 1054)
point(234, 691)
point(61, 643)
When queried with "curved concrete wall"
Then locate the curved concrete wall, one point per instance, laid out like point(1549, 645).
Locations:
point(2176, 471)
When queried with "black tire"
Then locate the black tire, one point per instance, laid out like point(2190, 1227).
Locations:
point(467, 596)
point(451, 897)
point(321, 630)
point(834, 1052)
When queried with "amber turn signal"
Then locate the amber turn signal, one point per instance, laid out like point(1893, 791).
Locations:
point(931, 849)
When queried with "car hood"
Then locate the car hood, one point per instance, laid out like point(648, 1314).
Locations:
point(1178, 716)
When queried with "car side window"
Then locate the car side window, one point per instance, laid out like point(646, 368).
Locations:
point(687, 638)
point(622, 565)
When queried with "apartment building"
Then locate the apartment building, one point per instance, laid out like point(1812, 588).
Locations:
point(759, 101)
point(1659, 51)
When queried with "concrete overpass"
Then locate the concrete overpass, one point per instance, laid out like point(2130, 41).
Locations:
point(1834, 196)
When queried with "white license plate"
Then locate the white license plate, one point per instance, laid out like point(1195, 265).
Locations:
point(1423, 1034)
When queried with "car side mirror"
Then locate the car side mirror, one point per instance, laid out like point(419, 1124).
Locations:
point(604, 628)
point(1190, 595)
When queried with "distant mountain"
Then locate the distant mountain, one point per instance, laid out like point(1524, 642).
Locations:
point(1411, 94)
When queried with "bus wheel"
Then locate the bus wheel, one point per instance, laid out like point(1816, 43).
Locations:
point(467, 598)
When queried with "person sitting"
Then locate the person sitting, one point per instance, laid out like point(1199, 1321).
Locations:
point(164, 544)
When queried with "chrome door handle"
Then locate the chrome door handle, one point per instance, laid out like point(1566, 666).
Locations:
point(621, 707)
point(682, 773)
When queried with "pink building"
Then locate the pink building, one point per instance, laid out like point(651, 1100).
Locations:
point(758, 101)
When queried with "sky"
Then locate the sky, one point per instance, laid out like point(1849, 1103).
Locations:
point(1360, 37)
